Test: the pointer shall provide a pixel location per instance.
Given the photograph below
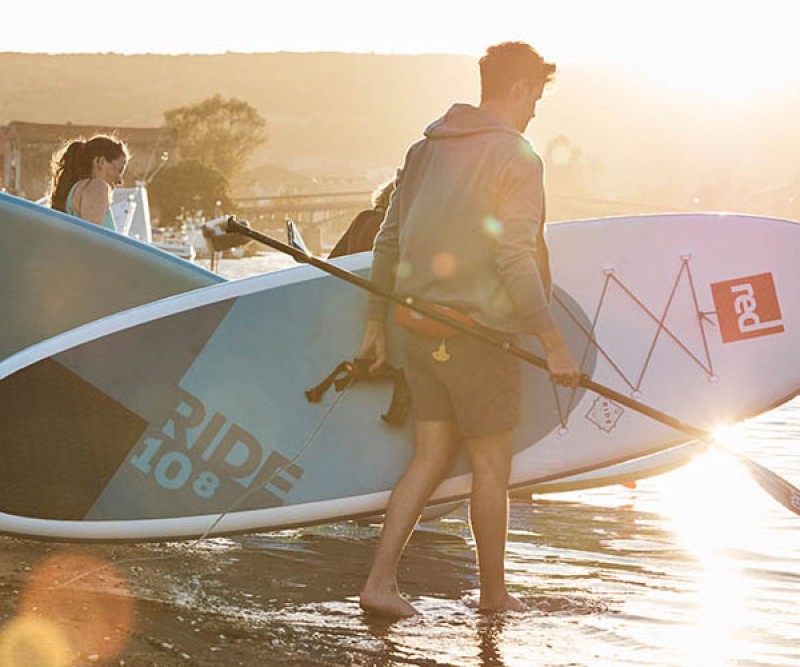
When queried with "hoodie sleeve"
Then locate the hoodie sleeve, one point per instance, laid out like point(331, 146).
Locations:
point(519, 209)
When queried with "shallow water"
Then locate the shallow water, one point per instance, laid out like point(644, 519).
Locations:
point(698, 567)
point(695, 568)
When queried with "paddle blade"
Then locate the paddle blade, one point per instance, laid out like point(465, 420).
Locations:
point(219, 239)
point(295, 238)
point(781, 490)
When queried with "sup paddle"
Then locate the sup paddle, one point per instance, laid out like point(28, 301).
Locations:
point(780, 489)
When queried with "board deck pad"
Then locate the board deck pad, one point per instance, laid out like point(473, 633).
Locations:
point(51, 471)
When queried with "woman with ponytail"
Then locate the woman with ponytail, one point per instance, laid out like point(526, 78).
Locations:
point(85, 174)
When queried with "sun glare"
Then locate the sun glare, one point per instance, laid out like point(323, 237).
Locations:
point(724, 78)
point(711, 507)
point(706, 52)
point(732, 436)
point(709, 501)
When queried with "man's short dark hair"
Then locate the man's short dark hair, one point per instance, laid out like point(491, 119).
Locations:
point(506, 63)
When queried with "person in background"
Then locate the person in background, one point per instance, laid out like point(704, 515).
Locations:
point(461, 233)
point(361, 233)
point(85, 174)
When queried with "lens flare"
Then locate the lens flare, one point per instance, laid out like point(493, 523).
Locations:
point(403, 269)
point(30, 641)
point(527, 150)
point(85, 600)
point(492, 227)
point(444, 264)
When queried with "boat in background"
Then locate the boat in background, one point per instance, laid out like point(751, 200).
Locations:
point(131, 209)
point(175, 242)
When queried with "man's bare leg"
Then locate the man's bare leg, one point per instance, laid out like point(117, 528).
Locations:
point(436, 443)
point(490, 457)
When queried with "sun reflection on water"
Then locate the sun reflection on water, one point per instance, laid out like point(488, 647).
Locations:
point(715, 511)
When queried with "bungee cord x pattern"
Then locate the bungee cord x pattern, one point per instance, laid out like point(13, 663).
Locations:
point(611, 278)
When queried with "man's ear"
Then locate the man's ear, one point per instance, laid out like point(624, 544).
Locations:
point(520, 89)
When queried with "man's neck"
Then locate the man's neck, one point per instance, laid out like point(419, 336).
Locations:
point(503, 111)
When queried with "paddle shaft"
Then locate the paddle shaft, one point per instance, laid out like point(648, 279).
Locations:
point(777, 487)
point(235, 226)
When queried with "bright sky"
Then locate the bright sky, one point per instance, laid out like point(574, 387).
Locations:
point(721, 47)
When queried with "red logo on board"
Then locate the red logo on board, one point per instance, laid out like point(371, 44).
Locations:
point(747, 307)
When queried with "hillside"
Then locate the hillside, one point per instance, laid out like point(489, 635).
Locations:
point(324, 110)
point(340, 116)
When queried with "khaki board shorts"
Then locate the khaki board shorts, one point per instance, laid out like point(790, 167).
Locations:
point(478, 387)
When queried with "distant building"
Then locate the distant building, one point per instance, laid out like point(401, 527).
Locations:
point(26, 150)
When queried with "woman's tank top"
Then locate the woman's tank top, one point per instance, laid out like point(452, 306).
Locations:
point(108, 219)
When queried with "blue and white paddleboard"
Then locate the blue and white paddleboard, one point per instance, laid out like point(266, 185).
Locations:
point(202, 426)
point(58, 272)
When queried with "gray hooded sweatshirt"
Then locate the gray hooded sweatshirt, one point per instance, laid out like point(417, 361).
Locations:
point(462, 225)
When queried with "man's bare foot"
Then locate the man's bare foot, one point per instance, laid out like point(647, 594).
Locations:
point(503, 603)
point(386, 603)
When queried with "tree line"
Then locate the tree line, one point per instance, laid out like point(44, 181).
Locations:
point(215, 138)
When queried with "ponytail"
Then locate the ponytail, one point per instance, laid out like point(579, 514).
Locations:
point(74, 163)
point(69, 167)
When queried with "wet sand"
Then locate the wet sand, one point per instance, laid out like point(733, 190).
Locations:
point(205, 604)
point(165, 631)
point(190, 602)
point(277, 599)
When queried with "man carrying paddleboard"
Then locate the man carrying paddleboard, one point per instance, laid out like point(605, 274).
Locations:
point(461, 233)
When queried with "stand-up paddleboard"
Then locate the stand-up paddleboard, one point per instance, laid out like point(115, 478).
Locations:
point(626, 472)
point(203, 426)
point(58, 272)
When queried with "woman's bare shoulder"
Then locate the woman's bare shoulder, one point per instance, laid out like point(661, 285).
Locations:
point(96, 186)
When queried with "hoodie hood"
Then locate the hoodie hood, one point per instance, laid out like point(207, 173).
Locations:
point(465, 119)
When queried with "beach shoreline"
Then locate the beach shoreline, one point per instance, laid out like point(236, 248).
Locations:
point(167, 627)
